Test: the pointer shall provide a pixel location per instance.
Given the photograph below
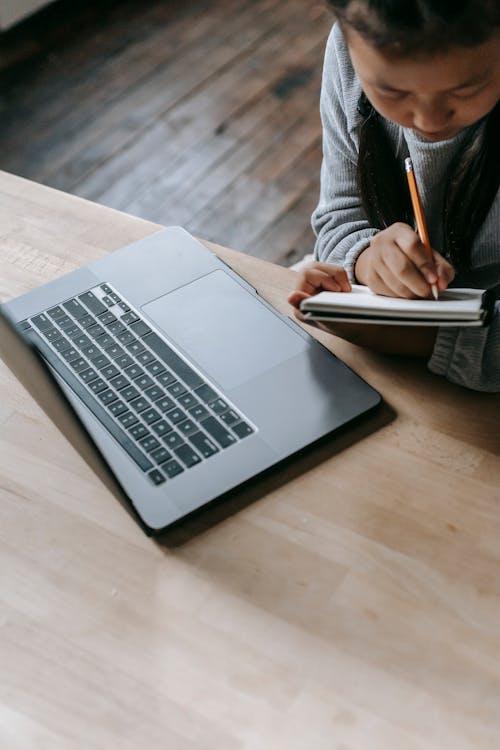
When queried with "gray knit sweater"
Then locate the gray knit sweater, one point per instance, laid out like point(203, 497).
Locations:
point(467, 356)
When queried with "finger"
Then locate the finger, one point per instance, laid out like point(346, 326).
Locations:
point(398, 264)
point(314, 280)
point(296, 297)
point(338, 273)
point(379, 284)
point(444, 269)
point(417, 252)
point(404, 286)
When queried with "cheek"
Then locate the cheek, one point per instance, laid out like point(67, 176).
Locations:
point(469, 111)
point(394, 110)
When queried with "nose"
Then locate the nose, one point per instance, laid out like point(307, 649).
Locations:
point(432, 116)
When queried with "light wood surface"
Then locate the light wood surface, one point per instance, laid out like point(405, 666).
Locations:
point(348, 602)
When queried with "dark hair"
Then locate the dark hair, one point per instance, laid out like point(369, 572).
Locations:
point(408, 27)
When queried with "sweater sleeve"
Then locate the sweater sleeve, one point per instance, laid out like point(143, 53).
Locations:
point(339, 222)
point(469, 356)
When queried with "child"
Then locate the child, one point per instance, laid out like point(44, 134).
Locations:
point(417, 78)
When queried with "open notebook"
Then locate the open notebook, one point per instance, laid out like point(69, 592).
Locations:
point(455, 307)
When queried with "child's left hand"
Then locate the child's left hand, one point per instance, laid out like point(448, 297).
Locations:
point(318, 277)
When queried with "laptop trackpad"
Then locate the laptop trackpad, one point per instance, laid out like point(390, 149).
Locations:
point(224, 329)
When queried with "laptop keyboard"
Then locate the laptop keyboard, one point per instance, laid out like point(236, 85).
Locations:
point(163, 413)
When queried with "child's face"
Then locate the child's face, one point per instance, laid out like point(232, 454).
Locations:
point(436, 95)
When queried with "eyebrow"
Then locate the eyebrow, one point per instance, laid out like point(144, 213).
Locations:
point(474, 81)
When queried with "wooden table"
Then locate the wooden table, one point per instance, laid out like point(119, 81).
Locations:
point(349, 601)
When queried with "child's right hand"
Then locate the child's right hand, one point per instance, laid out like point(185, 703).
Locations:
point(397, 264)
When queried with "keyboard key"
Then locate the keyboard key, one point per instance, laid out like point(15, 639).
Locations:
point(134, 371)
point(51, 334)
point(165, 404)
point(176, 389)
point(114, 297)
point(205, 446)
point(101, 362)
point(140, 328)
point(218, 432)
point(198, 412)
point(95, 331)
point(120, 382)
point(107, 301)
point(74, 308)
point(206, 394)
point(81, 340)
point(127, 418)
point(151, 415)
point(106, 340)
point(86, 321)
point(145, 357)
point(129, 318)
point(107, 396)
point(188, 455)
point(61, 344)
point(106, 318)
point(92, 303)
point(155, 367)
point(98, 385)
point(172, 360)
point(156, 477)
point(187, 400)
point(173, 440)
point(110, 371)
point(56, 312)
point(118, 408)
point(123, 306)
point(106, 288)
point(125, 360)
point(88, 375)
point(114, 351)
point(160, 455)
point(161, 428)
point(138, 431)
point(73, 330)
point(70, 354)
point(176, 415)
point(64, 322)
point(166, 378)
point(143, 382)
point(139, 404)
point(136, 348)
point(242, 429)
point(78, 364)
point(92, 352)
point(154, 393)
point(116, 328)
point(149, 443)
point(42, 322)
point(229, 417)
point(129, 393)
point(172, 468)
point(187, 427)
point(125, 338)
point(219, 406)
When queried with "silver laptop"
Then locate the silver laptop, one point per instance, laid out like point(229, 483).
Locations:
point(187, 381)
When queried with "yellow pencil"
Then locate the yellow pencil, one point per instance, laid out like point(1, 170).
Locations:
point(419, 215)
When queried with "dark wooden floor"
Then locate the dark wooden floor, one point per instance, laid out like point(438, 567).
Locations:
point(201, 113)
